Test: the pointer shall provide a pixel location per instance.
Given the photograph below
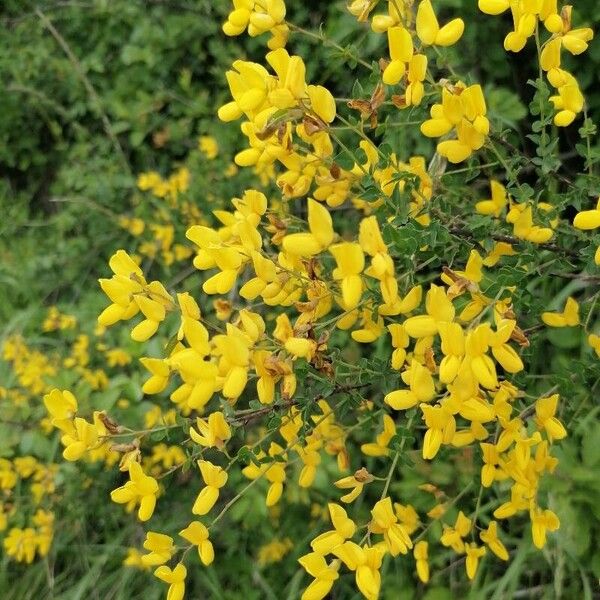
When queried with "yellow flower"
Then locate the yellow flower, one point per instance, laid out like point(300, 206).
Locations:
point(350, 261)
point(130, 293)
point(83, 437)
point(499, 250)
point(370, 329)
point(429, 31)
point(322, 103)
point(482, 366)
point(588, 219)
point(417, 71)
point(160, 549)
point(321, 233)
point(496, 204)
point(594, 342)
point(541, 522)
point(355, 483)
point(504, 354)
point(324, 576)
point(208, 146)
point(491, 469)
point(420, 554)
point(438, 307)
point(133, 225)
point(453, 536)
point(400, 342)
point(62, 407)
point(545, 409)
point(568, 102)
point(223, 309)
point(234, 363)
point(214, 432)
point(407, 516)
point(441, 427)
point(490, 537)
point(380, 447)
point(275, 474)
point(464, 109)
point(474, 553)
point(493, 7)
point(453, 346)
point(175, 578)
point(366, 562)
point(149, 180)
point(301, 347)
point(134, 559)
point(141, 489)
point(258, 18)
point(401, 52)
point(344, 528)
point(274, 551)
point(422, 388)
point(20, 544)
point(159, 379)
point(385, 521)
point(25, 466)
point(569, 317)
point(197, 534)
point(215, 478)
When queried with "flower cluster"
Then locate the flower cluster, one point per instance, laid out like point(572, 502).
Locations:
point(527, 18)
point(339, 321)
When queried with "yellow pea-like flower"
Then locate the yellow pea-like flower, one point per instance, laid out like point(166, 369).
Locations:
point(175, 578)
point(322, 102)
point(321, 232)
point(401, 399)
point(587, 219)
point(545, 409)
point(569, 317)
point(385, 521)
point(429, 31)
point(474, 553)
point(496, 204)
point(197, 534)
point(160, 549)
point(401, 51)
point(215, 478)
point(441, 427)
point(212, 432)
point(83, 437)
point(594, 342)
point(350, 261)
point(62, 407)
point(140, 488)
point(344, 528)
point(542, 521)
point(420, 553)
point(324, 575)
point(490, 538)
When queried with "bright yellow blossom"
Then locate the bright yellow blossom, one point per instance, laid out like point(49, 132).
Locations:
point(197, 534)
point(215, 478)
point(569, 317)
point(175, 578)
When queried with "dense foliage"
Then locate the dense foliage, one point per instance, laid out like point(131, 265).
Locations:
point(347, 341)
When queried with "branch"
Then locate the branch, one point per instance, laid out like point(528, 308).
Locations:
point(243, 417)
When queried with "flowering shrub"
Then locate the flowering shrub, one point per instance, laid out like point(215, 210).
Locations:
point(374, 345)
